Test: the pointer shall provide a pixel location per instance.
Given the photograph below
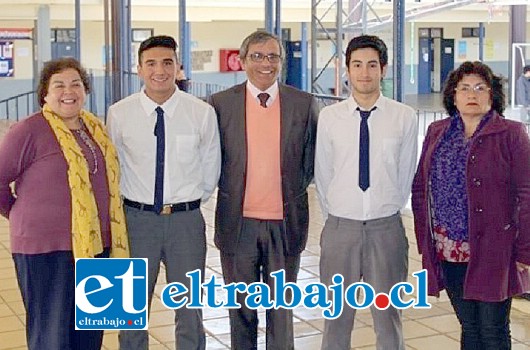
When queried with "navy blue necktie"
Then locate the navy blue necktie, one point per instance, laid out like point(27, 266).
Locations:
point(364, 150)
point(160, 134)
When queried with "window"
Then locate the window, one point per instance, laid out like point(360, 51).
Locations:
point(63, 35)
point(139, 35)
point(469, 32)
point(431, 32)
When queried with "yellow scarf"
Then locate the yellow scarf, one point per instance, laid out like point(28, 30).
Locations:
point(86, 230)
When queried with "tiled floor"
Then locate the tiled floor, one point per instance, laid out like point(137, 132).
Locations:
point(432, 329)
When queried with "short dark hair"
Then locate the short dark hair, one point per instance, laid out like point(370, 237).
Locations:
point(368, 41)
point(258, 37)
point(157, 41)
point(494, 82)
point(526, 68)
point(57, 66)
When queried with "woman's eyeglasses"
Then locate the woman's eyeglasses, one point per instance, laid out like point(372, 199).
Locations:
point(259, 57)
point(478, 89)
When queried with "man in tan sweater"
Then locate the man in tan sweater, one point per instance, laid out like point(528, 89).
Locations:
point(268, 132)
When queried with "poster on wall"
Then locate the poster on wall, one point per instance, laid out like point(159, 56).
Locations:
point(6, 59)
point(229, 60)
point(489, 49)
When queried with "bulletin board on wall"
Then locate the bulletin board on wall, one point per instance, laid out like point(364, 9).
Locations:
point(7, 67)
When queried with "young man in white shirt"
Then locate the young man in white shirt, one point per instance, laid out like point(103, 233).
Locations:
point(169, 151)
point(365, 161)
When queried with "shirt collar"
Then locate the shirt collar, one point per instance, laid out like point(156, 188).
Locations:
point(272, 91)
point(168, 106)
point(380, 103)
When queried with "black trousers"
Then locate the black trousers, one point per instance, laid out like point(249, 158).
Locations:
point(485, 325)
point(47, 284)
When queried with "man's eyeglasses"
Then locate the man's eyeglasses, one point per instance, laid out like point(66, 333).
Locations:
point(259, 57)
point(478, 89)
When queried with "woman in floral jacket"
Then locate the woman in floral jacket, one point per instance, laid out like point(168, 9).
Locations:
point(471, 203)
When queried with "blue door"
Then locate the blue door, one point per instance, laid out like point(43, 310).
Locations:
point(63, 49)
point(448, 58)
point(294, 63)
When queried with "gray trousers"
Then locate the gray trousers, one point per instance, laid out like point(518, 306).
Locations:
point(375, 251)
point(179, 241)
point(259, 252)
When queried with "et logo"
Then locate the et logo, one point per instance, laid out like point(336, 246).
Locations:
point(111, 294)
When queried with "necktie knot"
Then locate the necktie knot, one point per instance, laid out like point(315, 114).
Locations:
point(365, 114)
point(159, 121)
point(263, 97)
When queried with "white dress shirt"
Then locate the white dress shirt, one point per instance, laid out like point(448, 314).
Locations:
point(393, 150)
point(272, 91)
point(192, 154)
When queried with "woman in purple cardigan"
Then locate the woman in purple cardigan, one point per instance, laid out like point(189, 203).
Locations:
point(59, 188)
point(471, 204)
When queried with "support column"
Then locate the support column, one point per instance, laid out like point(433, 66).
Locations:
point(269, 16)
point(278, 20)
point(121, 49)
point(41, 37)
point(184, 40)
point(339, 57)
point(517, 35)
point(78, 30)
point(108, 64)
point(399, 45)
point(304, 59)
point(481, 41)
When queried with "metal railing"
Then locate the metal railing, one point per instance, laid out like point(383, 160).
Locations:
point(424, 117)
point(204, 90)
point(326, 100)
point(19, 106)
point(16, 107)
point(198, 89)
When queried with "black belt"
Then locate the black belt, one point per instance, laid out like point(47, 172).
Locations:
point(166, 209)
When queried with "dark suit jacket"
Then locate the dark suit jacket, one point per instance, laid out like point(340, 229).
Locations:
point(299, 113)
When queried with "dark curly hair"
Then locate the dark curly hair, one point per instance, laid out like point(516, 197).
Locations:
point(57, 66)
point(494, 82)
